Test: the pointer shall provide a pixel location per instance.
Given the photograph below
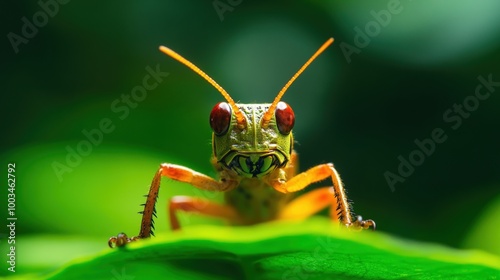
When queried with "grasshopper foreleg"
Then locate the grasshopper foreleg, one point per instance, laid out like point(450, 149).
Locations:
point(181, 174)
point(316, 200)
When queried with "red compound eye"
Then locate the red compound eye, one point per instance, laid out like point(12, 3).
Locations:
point(285, 118)
point(220, 118)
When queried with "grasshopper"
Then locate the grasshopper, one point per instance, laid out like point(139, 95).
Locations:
point(253, 154)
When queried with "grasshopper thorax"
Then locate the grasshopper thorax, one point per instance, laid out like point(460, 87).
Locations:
point(257, 148)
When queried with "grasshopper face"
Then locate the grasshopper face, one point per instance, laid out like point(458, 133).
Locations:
point(258, 147)
point(251, 139)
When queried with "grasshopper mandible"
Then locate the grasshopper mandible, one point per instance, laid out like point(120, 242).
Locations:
point(253, 154)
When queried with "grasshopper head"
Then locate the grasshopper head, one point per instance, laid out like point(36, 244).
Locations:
point(258, 148)
point(251, 139)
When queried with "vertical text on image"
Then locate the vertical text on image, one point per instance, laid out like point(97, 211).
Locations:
point(11, 218)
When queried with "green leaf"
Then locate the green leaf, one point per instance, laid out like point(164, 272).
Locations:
point(313, 249)
point(486, 229)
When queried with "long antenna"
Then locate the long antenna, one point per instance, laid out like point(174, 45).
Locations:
point(239, 116)
point(269, 113)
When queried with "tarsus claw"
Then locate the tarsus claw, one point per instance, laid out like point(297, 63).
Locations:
point(120, 240)
point(361, 224)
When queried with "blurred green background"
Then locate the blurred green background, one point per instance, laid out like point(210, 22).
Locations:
point(394, 70)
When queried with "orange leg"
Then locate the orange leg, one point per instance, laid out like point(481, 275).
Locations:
point(310, 203)
point(227, 182)
point(199, 206)
point(338, 200)
point(314, 201)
